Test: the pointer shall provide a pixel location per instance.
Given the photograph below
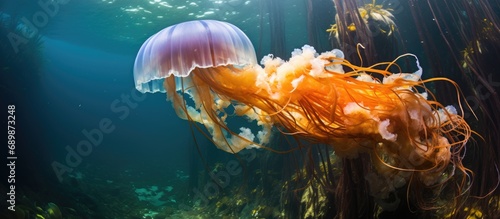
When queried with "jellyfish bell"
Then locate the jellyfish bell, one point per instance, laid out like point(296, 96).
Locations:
point(179, 49)
point(169, 61)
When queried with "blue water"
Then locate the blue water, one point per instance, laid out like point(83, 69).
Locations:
point(86, 80)
point(87, 141)
point(99, 89)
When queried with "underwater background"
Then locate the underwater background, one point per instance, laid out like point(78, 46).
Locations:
point(89, 145)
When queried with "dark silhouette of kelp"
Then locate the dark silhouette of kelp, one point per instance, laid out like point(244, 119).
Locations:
point(20, 61)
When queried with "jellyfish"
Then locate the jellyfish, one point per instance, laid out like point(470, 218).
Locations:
point(175, 61)
point(209, 72)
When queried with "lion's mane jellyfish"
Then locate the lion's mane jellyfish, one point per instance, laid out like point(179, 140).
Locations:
point(207, 67)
